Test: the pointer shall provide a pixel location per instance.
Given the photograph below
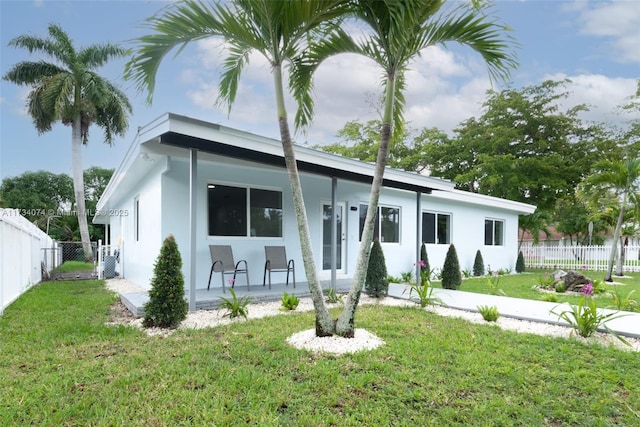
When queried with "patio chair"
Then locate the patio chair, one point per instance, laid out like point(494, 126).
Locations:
point(222, 261)
point(277, 261)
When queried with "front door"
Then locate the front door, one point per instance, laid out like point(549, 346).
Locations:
point(326, 237)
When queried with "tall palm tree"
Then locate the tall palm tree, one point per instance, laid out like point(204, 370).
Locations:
point(279, 31)
point(399, 30)
point(68, 90)
point(622, 178)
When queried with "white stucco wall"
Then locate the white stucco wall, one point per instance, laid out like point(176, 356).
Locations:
point(139, 256)
point(164, 210)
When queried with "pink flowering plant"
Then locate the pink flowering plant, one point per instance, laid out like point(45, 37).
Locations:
point(423, 290)
point(585, 318)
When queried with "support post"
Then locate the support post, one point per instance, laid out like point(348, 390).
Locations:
point(418, 232)
point(193, 174)
point(334, 232)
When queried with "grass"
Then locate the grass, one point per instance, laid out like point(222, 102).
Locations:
point(61, 365)
point(73, 266)
point(523, 286)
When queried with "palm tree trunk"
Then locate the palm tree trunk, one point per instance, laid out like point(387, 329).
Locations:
point(616, 236)
point(620, 262)
point(345, 325)
point(78, 187)
point(325, 325)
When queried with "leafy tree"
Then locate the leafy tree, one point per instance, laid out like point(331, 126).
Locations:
point(478, 264)
point(277, 30)
point(520, 263)
point(534, 223)
point(523, 147)
point(622, 180)
point(398, 32)
point(38, 195)
point(166, 307)
point(377, 284)
point(361, 141)
point(451, 275)
point(68, 90)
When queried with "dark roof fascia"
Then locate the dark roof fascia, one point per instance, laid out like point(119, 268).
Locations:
point(214, 147)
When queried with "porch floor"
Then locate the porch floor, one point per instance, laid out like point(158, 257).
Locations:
point(210, 299)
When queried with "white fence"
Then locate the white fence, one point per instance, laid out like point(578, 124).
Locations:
point(579, 257)
point(24, 249)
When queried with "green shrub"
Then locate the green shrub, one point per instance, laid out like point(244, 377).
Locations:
point(235, 306)
point(425, 267)
point(478, 264)
point(423, 294)
point(549, 297)
point(626, 303)
point(290, 302)
point(451, 276)
point(490, 314)
point(520, 263)
point(166, 307)
point(561, 287)
point(406, 276)
point(332, 296)
point(376, 283)
point(585, 319)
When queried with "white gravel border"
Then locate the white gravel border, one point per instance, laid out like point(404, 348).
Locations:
point(363, 339)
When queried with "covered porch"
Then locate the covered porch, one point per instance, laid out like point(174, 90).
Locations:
point(210, 299)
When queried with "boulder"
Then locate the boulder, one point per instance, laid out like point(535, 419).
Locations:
point(575, 281)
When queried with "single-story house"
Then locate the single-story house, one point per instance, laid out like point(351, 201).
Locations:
point(208, 184)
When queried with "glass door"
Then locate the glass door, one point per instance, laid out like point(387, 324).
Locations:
point(326, 237)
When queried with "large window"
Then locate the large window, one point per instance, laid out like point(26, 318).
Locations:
point(436, 228)
point(387, 227)
point(493, 232)
point(237, 211)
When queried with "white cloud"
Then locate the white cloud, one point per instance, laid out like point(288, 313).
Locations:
point(619, 21)
point(602, 94)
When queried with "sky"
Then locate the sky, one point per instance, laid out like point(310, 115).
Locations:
point(595, 44)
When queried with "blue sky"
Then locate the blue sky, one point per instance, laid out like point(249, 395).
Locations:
point(596, 44)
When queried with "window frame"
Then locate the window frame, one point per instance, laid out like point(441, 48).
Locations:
point(247, 211)
point(493, 234)
point(377, 231)
point(436, 230)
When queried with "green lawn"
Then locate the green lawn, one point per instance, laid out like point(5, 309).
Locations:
point(523, 286)
point(60, 365)
point(73, 266)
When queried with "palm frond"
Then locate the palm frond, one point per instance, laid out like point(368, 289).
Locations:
point(232, 68)
point(174, 27)
point(28, 73)
point(97, 55)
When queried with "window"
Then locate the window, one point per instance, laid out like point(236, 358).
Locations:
point(493, 232)
point(237, 211)
point(387, 227)
point(436, 228)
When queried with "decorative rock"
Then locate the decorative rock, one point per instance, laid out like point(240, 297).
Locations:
point(575, 281)
point(558, 275)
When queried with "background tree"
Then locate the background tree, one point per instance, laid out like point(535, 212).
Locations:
point(397, 32)
point(451, 275)
point(166, 307)
point(523, 147)
point(68, 90)
point(38, 195)
point(622, 180)
point(277, 30)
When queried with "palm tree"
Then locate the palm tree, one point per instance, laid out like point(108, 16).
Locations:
point(279, 31)
point(622, 178)
point(399, 31)
point(68, 90)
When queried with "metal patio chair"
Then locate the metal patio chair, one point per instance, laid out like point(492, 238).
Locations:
point(222, 261)
point(277, 261)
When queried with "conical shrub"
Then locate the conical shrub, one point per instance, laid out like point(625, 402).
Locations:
point(451, 276)
point(426, 269)
point(166, 307)
point(520, 263)
point(377, 284)
point(478, 265)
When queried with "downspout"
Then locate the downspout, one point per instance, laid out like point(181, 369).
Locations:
point(193, 179)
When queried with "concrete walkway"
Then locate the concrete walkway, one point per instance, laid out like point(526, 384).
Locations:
point(535, 311)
